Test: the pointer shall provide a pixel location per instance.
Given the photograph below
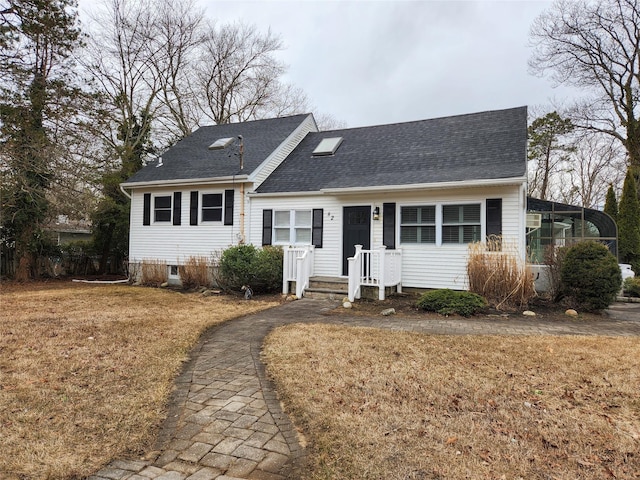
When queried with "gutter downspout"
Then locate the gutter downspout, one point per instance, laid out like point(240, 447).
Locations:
point(125, 192)
point(242, 213)
point(242, 239)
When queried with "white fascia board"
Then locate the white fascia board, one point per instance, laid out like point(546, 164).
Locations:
point(303, 125)
point(186, 182)
point(426, 186)
point(284, 194)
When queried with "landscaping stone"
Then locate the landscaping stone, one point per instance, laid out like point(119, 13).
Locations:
point(347, 305)
point(529, 313)
point(388, 311)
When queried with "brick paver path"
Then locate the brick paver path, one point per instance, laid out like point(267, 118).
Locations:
point(225, 421)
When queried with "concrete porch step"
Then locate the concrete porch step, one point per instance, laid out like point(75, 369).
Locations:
point(333, 288)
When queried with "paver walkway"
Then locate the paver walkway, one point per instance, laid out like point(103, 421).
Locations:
point(226, 422)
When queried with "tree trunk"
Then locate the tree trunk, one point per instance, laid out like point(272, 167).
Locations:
point(25, 269)
point(106, 249)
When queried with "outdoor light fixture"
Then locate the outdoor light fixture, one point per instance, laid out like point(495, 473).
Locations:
point(376, 213)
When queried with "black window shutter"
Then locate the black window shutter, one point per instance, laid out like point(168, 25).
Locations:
point(389, 225)
point(494, 216)
point(193, 209)
point(146, 213)
point(177, 208)
point(316, 232)
point(267, 216)
point(228, 207)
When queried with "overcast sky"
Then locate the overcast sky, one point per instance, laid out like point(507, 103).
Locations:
point(373, 62)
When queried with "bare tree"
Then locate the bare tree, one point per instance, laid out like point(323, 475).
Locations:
point(597, 162)
point(239, 75)
point(595, 45)
point(177, 36)
point(118, 57)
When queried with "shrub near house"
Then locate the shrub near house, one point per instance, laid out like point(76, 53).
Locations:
point(259, 268)
point(590, 276)
point(452, 302)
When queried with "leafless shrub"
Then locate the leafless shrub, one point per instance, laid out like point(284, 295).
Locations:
point(553, 257)
point(195, 272)
point(154, 273)
point(496, 272)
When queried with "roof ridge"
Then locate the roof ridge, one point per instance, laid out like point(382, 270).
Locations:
point(286, 117)
point(409, 122)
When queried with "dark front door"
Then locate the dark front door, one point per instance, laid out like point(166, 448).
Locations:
point(356, 230)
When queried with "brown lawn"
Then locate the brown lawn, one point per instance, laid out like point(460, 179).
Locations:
point(387, 405)
point(85, 370)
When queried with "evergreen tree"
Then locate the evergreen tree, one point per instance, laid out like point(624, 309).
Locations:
point(37, 38)
point(548, 151)
point(629, 223)
point(611, 204)
point(111, 218)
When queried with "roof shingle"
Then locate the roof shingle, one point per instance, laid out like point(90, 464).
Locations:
point(191, 159)
point(486, 145)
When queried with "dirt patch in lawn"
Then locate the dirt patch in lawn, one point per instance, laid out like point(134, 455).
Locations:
point(86, 370)
point(381, 404)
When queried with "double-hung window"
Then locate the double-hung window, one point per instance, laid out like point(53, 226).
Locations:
point(292, 227)
point(211, 207)
point(162, 208)
point(418, 224)
point(461, 223)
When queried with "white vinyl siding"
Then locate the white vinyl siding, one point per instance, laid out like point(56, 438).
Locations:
point(328, 259)
point(424, 265)
point(174, 244)
point(284, 149)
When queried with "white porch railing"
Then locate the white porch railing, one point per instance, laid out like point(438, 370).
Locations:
point(297, 267)
point(375, 268)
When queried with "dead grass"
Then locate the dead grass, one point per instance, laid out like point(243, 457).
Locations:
point(85, 371)
point(381, 404)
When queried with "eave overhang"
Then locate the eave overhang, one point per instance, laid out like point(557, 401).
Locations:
point(500, 182)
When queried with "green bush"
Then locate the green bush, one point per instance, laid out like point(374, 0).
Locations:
point(449, 302)
point(590, 276)
point(269, 269)
point(631, 286)
point(261, 269)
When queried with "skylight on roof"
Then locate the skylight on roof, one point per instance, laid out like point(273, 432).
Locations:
point(221, 143)
point(327, 146)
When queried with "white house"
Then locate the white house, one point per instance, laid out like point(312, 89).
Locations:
point(422, 189)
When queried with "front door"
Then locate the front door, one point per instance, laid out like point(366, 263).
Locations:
point(356, 230)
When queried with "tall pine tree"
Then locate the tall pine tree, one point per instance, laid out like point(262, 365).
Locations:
point(37, 39)
point(629, 223)
point(611, 203)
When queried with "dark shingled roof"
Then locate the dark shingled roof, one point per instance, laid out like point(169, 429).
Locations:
point(487, 145)
point(190, 158)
